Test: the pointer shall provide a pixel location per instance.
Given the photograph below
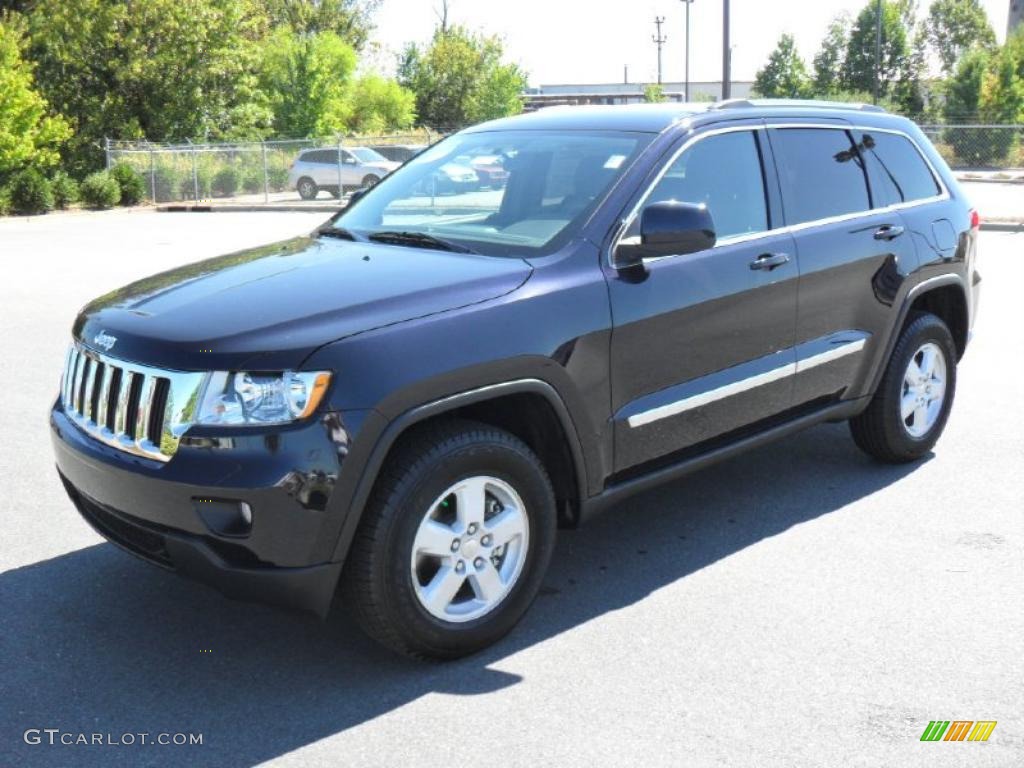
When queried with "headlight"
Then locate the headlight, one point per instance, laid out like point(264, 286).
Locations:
point(243, 398)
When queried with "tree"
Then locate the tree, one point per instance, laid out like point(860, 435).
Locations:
point(461, 78)
point(858, 73)
point(160, 69)
point(970, 146)
point(784, 76)
point(1002, 87)
point(306, 81)
point(29, 136)
point(378, 105)
point(831, 57)
point(654, 93)
point(351, 20)
point(954, 27)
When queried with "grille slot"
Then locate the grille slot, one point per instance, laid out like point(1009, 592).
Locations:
point(126, 405)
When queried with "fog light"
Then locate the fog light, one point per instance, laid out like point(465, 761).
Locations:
point(224, 517)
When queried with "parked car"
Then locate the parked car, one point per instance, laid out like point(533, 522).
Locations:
point(399, 152)
point(490, 170)
point(408, 403)
point(320, 169)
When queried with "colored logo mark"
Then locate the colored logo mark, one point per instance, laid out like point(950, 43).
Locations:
point(958, 730)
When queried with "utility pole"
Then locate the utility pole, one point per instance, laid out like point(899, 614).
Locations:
point(878, 46)
point(686, 88)
point(726, 53)
point(659, 40)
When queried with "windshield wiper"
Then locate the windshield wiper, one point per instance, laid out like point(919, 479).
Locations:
point(340, 232)
point(418, 240)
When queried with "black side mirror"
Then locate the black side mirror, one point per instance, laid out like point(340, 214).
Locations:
point(668, 228)
point(356, 196)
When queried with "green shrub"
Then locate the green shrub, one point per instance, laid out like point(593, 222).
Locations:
point(252, 179)
point(130, 182)
point(5, 201)
point(168, 183)
point(226, 181)
point(100, 190)
point(30, 192)
point(65, 190)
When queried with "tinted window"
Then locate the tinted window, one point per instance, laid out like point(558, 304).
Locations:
point(899, 173)
point(821, 173)
point(723, 172)
point(321, 156)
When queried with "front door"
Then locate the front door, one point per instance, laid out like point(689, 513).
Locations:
point(703, 344)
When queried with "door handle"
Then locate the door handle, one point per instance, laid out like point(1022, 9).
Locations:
point(769, 260)
point(889, 232)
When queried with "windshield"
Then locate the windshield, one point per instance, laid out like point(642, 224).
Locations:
point(502, 193)
point(367, 155)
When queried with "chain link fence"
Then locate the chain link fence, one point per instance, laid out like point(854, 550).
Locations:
point(976, 146)
point(249, 173)
point(259, 173)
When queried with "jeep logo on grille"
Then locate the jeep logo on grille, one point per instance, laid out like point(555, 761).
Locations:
point(104, 340)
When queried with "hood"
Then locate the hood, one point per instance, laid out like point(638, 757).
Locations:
point(268, 308)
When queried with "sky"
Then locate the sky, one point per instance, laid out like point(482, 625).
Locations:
point(590, 41)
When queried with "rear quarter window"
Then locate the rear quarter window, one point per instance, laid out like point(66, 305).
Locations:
point(898, 172)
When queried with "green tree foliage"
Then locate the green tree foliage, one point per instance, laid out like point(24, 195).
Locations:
point(29, 136)
point(654, 93)
point(784, 76)
point(970, 146)
point(831, 57)
point(160, 69)
point(351, 20)
point(461, 78)
point(859, 65)
point(65, 190)
point(954, 27)
point(378, 105)
point(306, 79)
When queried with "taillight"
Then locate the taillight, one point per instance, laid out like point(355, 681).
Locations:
point(975, 219)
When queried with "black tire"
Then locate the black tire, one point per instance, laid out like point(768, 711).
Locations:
point(370, 180)
point(307, 188)
point(377, 585)
point(880, 430)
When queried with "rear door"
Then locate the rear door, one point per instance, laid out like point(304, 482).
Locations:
point(703, 344)
point(851, 251)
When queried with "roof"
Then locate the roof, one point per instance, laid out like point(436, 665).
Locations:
point(655, 118)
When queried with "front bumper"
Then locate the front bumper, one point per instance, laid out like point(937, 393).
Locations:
point(162, 511)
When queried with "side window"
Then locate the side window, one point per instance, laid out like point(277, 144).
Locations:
point(898, 172)
point(821, 173)
point(723, 172)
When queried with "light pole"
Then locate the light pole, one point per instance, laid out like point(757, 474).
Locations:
point(726, 53)
point(686, 88)
point(659, 40)
point(878, 45)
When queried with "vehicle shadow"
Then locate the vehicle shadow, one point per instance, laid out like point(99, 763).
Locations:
point(96, 641)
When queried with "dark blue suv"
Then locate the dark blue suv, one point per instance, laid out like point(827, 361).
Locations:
point(401, 408)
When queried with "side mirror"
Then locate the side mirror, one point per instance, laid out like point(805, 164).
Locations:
point(668, 228)
point(356, 196)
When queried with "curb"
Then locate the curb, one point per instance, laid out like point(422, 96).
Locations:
point(964, 180)
point(249, 208)
point(1002, 226)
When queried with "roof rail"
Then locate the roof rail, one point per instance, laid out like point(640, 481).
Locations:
point(795, 104)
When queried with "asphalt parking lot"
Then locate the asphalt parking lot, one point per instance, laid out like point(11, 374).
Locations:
point(797, 606)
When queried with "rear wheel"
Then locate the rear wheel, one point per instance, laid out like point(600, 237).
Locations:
point(307, 188)
point(455, 542)
point(909, 411)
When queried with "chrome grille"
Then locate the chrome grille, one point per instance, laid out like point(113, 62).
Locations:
point(134, 408)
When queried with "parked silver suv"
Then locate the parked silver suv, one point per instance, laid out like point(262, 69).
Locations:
point(335, 170)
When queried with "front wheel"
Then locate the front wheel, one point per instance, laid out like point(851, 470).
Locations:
point(909, 411)
point(369, 180)
point(454, 543)
point(307, 188)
